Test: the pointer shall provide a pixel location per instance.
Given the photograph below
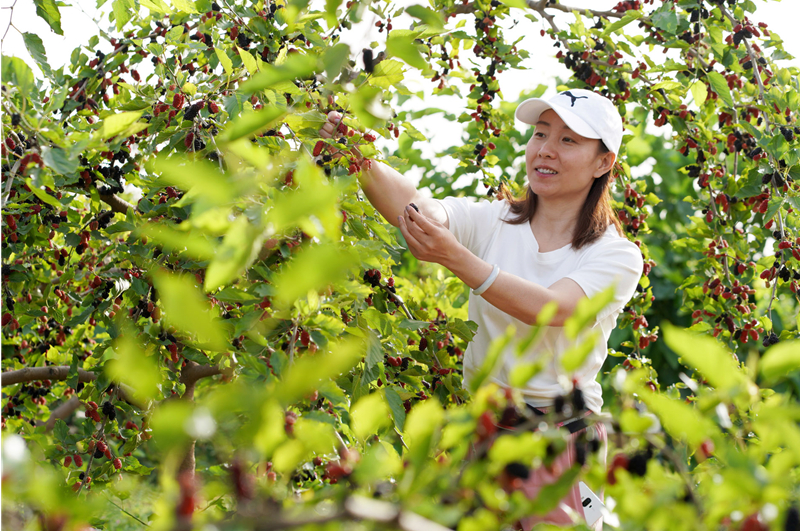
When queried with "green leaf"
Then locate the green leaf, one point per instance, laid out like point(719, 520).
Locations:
point(699, 92)
point(521, 448)
point(653, 199)
point(201, 179)
point(312, 437)
point(187, 309)
point(410, 324)
point(775, 204)
point(155, 6)
point(238, 251)
point(312, 269)
point(630, 16)
point(543, 318)
point(189, 88)
point(466, 330)
point(271, 432)
point(224, 60)
point(369, 415)
point(367, 106)
point(522, 372)
point(331, 7)
point(123, 12)
point(426, 15)
point(665, 19)
point(133, 366)
point(679, 419)
point(406, 50)
point(720, 86)
point(306, 374)
point(48, 10)
point(186, 6)
point(42, 195)
point(395, 404)
point(248, 61)
point(317, 437)
point(58, 159)
point(521, 4)
point(632, 422)
point(374, 351)
point(250, 123)
point(19, 73)
point(705, 354)
point(780, 360)
point(168, 421)
point(387, 74)
point(117, 123)
point(575, 355)
point(296, 66)
point(422, 428)
point(379, 461)
point(666, 85)
point(313, 206)
point(61, 430)
point(176, 240)
point(334, 59)
point(586, 312)
point(36, 48)
point(493, 357)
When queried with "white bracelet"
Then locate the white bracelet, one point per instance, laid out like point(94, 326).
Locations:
point(489, 281)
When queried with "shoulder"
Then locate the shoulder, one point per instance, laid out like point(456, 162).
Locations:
point(613, 248)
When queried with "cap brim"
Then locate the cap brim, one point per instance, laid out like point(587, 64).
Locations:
point(530, 110)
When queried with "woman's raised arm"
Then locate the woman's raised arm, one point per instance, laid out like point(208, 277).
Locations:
point(388, 190)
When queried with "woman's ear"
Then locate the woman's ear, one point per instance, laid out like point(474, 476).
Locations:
point(605, 163)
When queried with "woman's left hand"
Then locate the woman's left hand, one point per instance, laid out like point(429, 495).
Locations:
point(427, 239)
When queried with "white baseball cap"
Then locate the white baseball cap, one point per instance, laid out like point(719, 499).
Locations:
point(587, 113)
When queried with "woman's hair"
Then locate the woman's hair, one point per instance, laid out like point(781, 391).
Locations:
point(595, 216)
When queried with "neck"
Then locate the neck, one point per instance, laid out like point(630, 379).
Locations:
point(555, 221)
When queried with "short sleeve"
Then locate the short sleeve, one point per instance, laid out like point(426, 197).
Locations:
point(472, 222)
point(612, 261)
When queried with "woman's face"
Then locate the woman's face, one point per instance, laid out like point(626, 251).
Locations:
point(560, 163)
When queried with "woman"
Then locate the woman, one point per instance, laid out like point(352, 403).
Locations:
point(559, 244)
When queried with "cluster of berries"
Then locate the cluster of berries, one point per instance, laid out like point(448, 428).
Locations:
point(372, 277)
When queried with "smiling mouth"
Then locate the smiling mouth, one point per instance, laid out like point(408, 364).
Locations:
point(546, 171)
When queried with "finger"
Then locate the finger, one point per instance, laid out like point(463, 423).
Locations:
point(420, 221)
point(413, 228)
point(410, 240)
point(334, 117)
point(428, 225)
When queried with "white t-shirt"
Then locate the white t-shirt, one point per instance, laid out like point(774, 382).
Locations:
point(611, 260)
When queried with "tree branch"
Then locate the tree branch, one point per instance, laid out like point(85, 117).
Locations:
point(61, 412)
point(354, 508)
point(116, 203)
point(194, 371)
point(60, 372)
point(33, 374)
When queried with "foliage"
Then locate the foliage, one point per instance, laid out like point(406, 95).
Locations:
point(199, 303)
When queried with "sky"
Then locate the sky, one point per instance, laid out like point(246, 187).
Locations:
point(79, 22)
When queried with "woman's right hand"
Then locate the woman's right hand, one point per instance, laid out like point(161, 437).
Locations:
point(331, 125)
point(334, 127)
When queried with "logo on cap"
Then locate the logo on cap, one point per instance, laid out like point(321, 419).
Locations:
point(573, 98)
